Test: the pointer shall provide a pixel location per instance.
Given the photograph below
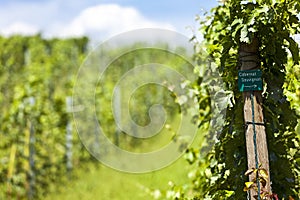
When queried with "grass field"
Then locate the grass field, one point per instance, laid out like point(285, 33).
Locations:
point(104, 183)
point(99, 182)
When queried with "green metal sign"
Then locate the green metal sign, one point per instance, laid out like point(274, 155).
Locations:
point(250, 80)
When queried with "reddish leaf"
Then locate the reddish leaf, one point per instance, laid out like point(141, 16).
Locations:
point(275, 196)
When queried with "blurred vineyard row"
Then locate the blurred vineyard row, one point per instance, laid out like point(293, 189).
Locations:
point(39, 146)
point(36, 79)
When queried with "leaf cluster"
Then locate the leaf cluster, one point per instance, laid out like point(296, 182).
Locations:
point(36, 76)
point(274, 23)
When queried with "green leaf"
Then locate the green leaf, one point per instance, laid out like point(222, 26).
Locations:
point(236, 30)
point(244, 35)
point(236, 22)
point(263, 9)
point(294, 48)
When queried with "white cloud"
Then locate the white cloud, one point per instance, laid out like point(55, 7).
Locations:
point(35, 14)
point(19, 28)
point(107, 20)
point(58, 18)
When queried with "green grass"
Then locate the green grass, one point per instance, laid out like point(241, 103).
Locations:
point(104, 183)
point(98, 182)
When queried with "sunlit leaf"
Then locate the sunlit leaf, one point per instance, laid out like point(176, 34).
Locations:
point(248, 186)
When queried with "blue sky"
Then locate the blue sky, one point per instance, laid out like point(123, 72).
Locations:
point(98, 19)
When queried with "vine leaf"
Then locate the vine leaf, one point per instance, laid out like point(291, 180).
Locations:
point(248, 186)
point(250, 171)
point(244, 34)
point(294, 48)
point(263, 9)
point(263, 173)
point(263, 181)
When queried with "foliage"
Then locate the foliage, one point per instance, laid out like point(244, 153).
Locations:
point(145, 96)
point(274, 23)
point(37, 76)
point(259, 181)
point(34, 117)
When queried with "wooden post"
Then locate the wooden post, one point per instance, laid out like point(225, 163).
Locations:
point(11, 169)
point(117, 107)
point(31, 193)
point(31, 147)
point(69, 137)
point(249, 58)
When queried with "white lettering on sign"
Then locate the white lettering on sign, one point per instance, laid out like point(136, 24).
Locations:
point(243, 74)
point(246, 80)
point(249, 80)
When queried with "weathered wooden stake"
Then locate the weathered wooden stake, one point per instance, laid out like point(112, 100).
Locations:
point(31, 192)
point(11, 169)
point(249, 58)
point(69, 137)
point(31, 152)
point(117, 107)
